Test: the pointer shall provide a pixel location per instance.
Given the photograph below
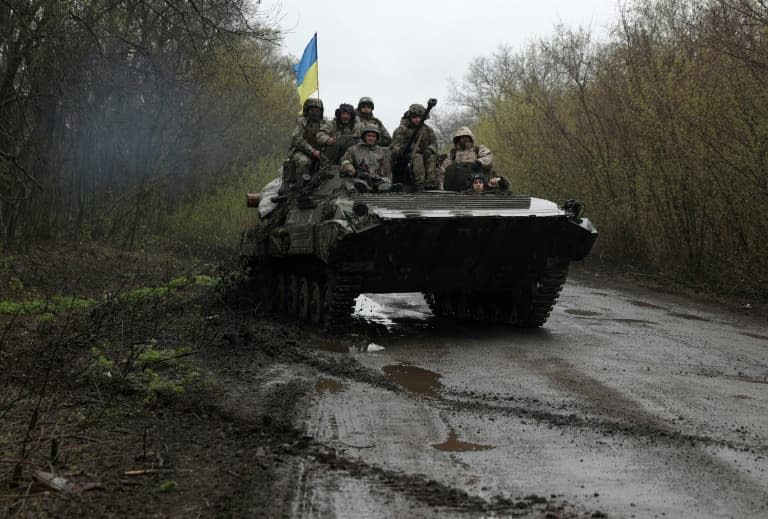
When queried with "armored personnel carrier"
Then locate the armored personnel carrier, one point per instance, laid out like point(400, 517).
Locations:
point(494, 256)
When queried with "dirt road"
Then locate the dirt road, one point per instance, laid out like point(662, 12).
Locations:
point(626, 404)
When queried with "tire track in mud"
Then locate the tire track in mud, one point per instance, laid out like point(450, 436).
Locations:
point(287, 442)
point(625, 418)
point(629, 427)
point(436, 494)
point(630, 418)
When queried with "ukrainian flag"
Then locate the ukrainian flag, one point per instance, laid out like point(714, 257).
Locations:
point(306, 71)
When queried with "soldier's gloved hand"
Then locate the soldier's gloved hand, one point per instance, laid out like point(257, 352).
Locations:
point(331, 141)
point(347, 169)
point(477, 166)
point(426, 154)
point(316, 154)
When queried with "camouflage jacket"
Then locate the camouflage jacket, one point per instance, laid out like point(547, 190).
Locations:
point(425, 140)
point(335, 129)
point(373, 159)
point(304, 135)
point(479, 153)
point(384, 137)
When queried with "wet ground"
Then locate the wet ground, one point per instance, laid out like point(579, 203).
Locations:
point(627, 404)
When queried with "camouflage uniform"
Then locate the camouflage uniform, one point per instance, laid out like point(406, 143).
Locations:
point(304, 141)
point(336, 129)
point(384, 138)
point(369, 162)
point(424, 150)
point(479, 155)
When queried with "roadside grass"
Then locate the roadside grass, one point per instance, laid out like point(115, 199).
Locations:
point(218, 218)
point(159, 373)
point(47, 309)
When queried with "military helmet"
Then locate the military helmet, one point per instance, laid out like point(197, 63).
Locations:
point(348, 108)
point(363, 101)
point(477, 176)
point(416, 109)
point(370, 128)
point(463, 131)
point(312, 102)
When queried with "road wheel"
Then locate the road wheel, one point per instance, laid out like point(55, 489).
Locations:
point(303, 299)
point(282, 293)
point(316, 303)
point(266, 293)
point(461, 306)
point(292, 306)
point(327, 313)
point(479, 307)
point(446, 306)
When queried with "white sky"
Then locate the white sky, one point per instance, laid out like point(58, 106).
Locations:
point(405, 51)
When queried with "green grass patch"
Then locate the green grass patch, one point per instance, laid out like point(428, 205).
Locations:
point(161, 374)
point(47, 309)
point(168, 485)
point(53, 306)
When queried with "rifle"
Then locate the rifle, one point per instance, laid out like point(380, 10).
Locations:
point(402, 170)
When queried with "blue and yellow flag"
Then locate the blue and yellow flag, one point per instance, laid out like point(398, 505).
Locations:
point(306, 71)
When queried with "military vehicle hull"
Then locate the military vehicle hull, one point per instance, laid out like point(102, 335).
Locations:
point(493, 256)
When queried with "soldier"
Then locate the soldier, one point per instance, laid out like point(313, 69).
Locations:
point(424, 150)
point(465, 151)
point(339, 133)
point(478, 182)
point(365, 116)
point(368, 164)
point(477, 159)
point(304, 145)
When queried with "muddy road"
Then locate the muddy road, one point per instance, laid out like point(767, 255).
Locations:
point(627, 403)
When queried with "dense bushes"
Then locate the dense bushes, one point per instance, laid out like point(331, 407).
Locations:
point(115, 115)
point(662, 130)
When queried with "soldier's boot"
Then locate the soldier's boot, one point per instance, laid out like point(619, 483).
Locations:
point(431, 181)
point(417, 168)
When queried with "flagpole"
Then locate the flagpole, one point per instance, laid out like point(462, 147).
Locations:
point(318, 67)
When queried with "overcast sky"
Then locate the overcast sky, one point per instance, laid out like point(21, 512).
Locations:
point(405, 51)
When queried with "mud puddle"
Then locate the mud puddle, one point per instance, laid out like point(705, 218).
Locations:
point(329, 385)
point(416, 380)
point(690, 317)
point(453, 444)
point(581, 313)
point(633, 321)
point(643, 304)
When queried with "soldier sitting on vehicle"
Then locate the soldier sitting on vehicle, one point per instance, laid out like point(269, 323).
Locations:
point(303, 155)
point(368, 165)
point(465, 161)
point(465, 153)
point(338, 134)
point(365, 116)
point(478, 183)
point(424, 149)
